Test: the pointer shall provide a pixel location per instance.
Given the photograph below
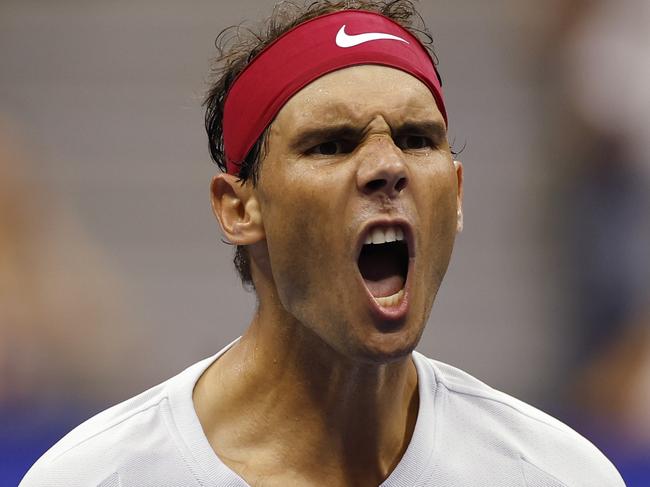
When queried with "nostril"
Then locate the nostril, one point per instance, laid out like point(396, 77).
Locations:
point(375, 184)
point(400, 185)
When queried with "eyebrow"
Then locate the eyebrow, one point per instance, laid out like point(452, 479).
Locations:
point(310, 136)
point(437, 131)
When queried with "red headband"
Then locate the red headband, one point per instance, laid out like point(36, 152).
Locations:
point(307, 52)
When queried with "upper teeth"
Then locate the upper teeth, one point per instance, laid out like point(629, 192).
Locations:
point(380, 235)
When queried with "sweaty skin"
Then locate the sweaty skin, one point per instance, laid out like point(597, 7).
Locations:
point(319, 390)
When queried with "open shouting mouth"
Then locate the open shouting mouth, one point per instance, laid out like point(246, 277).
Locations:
point(384, 259)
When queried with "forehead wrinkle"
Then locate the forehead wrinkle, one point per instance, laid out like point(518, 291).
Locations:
point(354, 97)
point(337, 114)
point(332, 111)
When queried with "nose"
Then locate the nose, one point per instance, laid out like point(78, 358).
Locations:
point(382, 170)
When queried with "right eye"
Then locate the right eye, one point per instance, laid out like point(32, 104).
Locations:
point(330, 148)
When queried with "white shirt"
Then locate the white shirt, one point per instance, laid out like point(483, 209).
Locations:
point(466, 434)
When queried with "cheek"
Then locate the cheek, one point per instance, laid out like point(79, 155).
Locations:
point(289, 240)
point(438, 220)
point(442, 207)
point(439, 188)
point(300, 252)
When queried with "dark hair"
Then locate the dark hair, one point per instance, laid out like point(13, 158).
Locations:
point(238, 45)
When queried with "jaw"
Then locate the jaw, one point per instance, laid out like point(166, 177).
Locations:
point(337, 306)
point(380, 332)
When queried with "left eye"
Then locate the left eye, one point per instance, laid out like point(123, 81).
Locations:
point(413, 142)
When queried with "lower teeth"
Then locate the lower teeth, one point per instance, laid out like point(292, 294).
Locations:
point(390, 301)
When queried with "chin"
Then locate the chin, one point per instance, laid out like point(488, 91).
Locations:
point(382, 347)
point(363, 337)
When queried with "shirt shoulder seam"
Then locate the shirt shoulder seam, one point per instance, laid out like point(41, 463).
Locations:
point(480, 395)
point(141, 409)
point(523, 461)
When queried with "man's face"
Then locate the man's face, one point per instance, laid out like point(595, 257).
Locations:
point(360, 149)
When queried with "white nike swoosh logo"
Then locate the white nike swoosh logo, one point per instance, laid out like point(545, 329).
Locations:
point(345, 40)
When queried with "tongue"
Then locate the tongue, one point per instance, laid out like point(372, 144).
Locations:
point(381, 273)
point(386, 286)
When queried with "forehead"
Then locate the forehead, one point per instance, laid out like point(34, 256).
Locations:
point(358, 94)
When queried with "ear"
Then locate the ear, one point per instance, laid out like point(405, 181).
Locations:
point(459, 197)
point(237, 209)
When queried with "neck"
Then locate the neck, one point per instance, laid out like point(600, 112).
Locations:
point(281, 392)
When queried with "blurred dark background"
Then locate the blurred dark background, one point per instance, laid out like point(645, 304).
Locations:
point(113, 277)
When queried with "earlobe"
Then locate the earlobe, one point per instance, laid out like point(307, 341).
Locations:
point(458, 166)
point(237, 210)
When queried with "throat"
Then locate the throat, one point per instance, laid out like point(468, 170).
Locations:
point(369, 411)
